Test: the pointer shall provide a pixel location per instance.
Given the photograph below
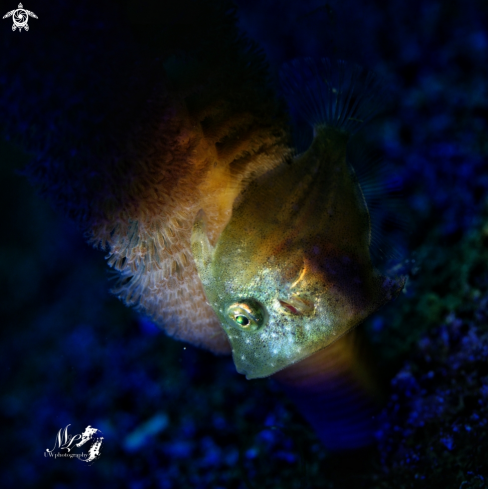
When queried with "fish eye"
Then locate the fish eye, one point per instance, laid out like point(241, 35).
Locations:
point(242, 320)
point(246, 315)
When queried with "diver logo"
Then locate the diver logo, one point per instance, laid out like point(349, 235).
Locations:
point(64, 443)
point(20, 16)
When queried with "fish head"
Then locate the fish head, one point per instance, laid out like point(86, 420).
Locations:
point(282, 295)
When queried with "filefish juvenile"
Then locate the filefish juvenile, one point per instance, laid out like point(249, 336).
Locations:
point(174, 157)
point(292, 271)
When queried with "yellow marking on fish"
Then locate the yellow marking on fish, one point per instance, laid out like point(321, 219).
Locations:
point(300, 278)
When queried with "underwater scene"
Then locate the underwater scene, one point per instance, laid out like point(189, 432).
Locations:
point(244, 244)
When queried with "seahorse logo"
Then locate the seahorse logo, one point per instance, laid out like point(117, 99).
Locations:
point(20, 16)
point(64, 443)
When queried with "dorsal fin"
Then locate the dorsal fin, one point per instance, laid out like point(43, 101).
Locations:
point(335, 94)
point(343, 95)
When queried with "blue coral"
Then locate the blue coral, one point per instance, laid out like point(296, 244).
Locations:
point(435, 424)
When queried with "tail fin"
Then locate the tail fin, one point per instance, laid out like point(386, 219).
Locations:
point(329, 93)
point(338, 392)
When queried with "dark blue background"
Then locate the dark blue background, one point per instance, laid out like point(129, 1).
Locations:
point(175, 416)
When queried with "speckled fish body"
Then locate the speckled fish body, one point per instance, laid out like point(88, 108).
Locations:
point(296, 251)
point(291, 272)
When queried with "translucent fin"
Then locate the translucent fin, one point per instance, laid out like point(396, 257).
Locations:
point(329, 93)
point(337, 392)
point(382, 190)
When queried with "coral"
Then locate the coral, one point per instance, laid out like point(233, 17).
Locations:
point(163, 135)
point(434, 426)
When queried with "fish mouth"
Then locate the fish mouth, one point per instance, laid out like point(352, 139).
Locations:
point(298, 306)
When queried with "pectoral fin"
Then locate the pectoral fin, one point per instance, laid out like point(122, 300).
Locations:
point(201, 248)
